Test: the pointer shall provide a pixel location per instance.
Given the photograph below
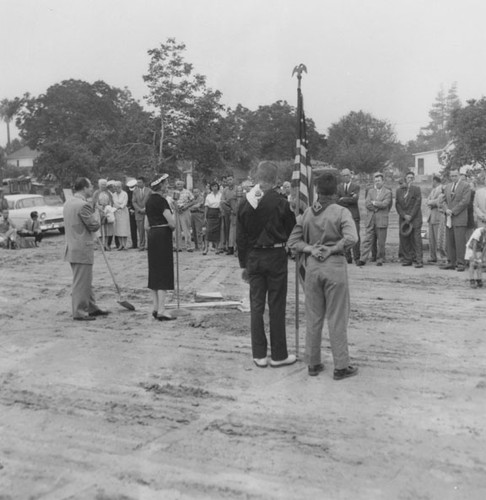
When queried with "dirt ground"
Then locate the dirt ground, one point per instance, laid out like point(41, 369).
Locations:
point(127, 408)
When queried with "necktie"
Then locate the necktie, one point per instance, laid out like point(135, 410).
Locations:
point(454, 188)
point(346, 188)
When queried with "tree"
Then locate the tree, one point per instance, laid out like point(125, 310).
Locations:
point(360, 142)
point(8, 110)
point(76, 122)
point(436, 134)
point(188, 110)
point(268, 133)
point(468, 135)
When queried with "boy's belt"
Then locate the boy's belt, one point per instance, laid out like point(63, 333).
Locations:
point(275, 245)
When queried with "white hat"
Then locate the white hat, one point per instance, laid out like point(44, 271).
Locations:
point(111, 183)
point(160, 179)
point(131, 184)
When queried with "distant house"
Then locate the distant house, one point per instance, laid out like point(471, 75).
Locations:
point(427, 163)
point(23, 158)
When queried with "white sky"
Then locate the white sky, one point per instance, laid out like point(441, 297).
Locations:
point(385, 57)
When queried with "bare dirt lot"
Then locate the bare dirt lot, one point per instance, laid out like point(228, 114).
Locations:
point(128, 408)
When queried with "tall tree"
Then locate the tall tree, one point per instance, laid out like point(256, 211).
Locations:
point(8, 109)
point(188, 110)
point(360, 142)
point(436, 134)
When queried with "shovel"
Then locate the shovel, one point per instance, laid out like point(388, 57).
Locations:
point(123, 303)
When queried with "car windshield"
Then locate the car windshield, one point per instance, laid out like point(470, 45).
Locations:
point(31, 202)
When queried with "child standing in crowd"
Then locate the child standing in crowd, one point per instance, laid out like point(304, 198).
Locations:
point(475, 253)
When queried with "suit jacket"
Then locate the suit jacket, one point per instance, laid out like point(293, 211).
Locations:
point(434, 202)
point(80, 222)
point(409, 202)
point(378, 213)
point(458, 202)
point(480, 205)
point(30, 225)
point(349, 200)
point(139, 200)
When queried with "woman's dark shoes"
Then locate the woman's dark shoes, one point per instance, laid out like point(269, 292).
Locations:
point(345, 372)
point(162, 317)
point(315, 369)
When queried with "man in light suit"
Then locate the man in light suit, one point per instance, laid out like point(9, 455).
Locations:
point(409, 207)
point(80, 223)
point(434, 202)
point(139, 199)
point(348, 196)
point(457, 196)
point(378, 203)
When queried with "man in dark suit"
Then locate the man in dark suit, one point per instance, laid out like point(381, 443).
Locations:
point(130, 187)
point(80, 222)
point(348, 196)
point(139, 199)
point(457, 196)
point(409, 208)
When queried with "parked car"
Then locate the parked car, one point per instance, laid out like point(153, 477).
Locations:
point(21, 205)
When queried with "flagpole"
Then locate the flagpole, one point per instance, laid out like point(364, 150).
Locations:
point(299, 70)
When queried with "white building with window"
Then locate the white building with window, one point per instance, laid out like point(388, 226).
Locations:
point(23, 158)
point(427, 163)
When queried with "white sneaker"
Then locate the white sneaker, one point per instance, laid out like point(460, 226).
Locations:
point(261, 363)
point(291, 359)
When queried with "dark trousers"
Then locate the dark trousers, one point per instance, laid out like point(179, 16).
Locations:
point(456, 245)
point(412, 246)
point(133, 230)
point(267, 271)
point(356, 248)
point(197, 223)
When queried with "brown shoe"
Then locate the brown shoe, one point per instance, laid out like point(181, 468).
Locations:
point(315, 369)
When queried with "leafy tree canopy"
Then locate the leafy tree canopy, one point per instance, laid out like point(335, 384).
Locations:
point(468, 133)
point(96, 123)
point(360, 142)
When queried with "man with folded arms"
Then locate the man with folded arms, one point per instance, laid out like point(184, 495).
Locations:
point(378, 204)
point(264, 223)
point(80, 224)
point(457, 196)
point(324, 232)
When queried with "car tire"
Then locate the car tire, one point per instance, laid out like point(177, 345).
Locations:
point(61, 230)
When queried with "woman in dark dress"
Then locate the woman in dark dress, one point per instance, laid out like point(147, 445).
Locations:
point(159, 248)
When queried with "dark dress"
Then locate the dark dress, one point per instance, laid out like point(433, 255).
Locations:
point(159, 248)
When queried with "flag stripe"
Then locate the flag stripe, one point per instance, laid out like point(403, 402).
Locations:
point(302, 173)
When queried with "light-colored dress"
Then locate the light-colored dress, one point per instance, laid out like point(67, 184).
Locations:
point(122, 217)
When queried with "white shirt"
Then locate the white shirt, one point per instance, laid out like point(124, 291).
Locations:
point(213, 201)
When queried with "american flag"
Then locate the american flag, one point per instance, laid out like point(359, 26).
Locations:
point(302, 173)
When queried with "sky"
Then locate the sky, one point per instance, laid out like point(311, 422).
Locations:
point(388, 58)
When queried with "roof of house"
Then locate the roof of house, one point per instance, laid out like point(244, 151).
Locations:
point(22, 153)
point(428, 152)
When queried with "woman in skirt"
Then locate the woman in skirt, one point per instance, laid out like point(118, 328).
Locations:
point(159, 248)
point(212, 215)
